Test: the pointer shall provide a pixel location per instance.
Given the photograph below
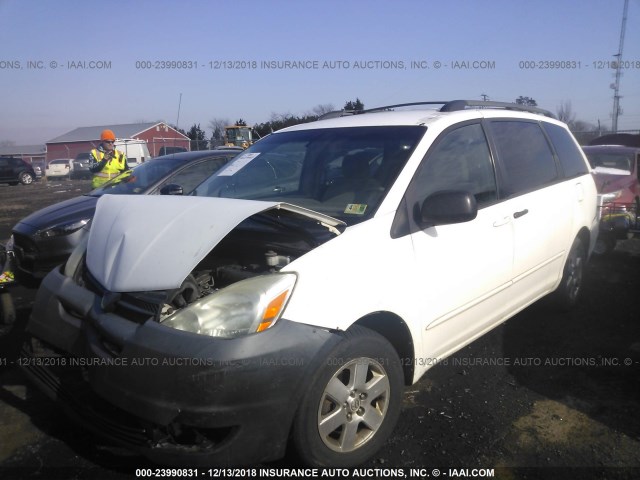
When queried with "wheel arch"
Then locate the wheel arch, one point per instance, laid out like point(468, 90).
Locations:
point(395, 330)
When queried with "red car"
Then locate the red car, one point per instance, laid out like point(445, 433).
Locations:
point(616, 172)
point(617, 176)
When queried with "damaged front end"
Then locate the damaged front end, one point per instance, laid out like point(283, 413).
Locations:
point(177, 325)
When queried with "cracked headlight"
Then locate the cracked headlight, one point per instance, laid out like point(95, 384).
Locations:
point(62, 229)
point(245, 307)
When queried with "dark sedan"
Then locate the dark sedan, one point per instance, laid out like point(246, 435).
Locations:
point(47, 237)
point(15, 170)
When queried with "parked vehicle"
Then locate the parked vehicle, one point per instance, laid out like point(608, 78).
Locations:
point(290, 297)
point(617, 176)
point(135, 150)
point(38, 171)
point(238, 136)
point(169, 150)
point(616, 172)
point(14, 170)
point(61, 167)
point(45, 238)
point(81, 166)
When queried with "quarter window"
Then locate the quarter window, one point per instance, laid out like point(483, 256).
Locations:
point(568, 152)
point(525, 156)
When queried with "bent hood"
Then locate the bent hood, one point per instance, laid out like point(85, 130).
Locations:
point(611, 179)
point(150, 242)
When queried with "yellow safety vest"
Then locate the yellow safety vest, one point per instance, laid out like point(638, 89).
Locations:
point(113, 167)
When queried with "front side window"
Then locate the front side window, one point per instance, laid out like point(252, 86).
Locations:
point(341, 172)
point(525, 155)
point(459, 160)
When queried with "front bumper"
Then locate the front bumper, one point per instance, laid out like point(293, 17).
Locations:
point(36, 258)
point(173, 395)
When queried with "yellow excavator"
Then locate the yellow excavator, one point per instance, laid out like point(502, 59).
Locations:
point(238, 136)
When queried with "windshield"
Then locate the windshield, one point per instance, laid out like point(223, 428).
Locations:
point(140, 178)
point(341, 172)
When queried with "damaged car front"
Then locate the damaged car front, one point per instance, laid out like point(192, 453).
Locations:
point(167, 329)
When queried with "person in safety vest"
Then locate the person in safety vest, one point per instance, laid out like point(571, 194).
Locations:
point(106, 161)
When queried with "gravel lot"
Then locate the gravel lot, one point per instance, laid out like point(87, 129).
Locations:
point(545, 395)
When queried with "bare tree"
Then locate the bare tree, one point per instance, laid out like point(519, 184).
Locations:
point(321, 109)
point(565, 112)
point(7, 143)
point(217, 130)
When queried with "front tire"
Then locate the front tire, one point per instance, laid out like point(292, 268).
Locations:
point(353, 403)
point(570, 287)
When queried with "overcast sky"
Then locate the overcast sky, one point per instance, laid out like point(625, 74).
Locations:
point(69, 64)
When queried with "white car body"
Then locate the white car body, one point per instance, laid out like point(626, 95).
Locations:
point(508, 266)
point(367, 247)
point(59, 168)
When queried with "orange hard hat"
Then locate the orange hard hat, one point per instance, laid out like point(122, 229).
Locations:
point(107, 135)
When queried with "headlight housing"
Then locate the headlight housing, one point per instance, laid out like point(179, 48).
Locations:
point(245, 307)
point(62, 229)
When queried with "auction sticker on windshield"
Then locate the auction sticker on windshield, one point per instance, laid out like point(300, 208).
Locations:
point(238, 164)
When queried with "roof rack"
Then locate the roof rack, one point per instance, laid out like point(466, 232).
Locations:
point(462, 104)
point(447, 106)
point(336, 114)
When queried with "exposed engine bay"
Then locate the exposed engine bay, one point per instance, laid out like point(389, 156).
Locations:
point(261, 244)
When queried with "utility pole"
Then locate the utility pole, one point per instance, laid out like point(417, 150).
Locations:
point(616, 86)
point(484, 96)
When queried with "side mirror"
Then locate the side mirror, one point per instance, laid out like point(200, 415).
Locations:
point(171, 189)
point(448, 207)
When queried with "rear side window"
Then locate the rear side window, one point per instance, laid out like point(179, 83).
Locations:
point(525, 155)
point(189, 177)
point(571, 159)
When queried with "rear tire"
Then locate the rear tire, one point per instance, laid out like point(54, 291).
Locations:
point(26, 178)
point(568, 292)
point(353, 402)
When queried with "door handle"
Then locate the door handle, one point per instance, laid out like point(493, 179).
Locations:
point(521, 213)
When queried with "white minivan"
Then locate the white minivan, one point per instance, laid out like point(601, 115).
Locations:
point(136, 150)
point(289, 298)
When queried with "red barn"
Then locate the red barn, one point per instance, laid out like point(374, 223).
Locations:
point(83, 139)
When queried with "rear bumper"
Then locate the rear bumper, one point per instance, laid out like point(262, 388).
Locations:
point(172, 395)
